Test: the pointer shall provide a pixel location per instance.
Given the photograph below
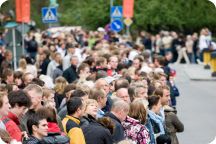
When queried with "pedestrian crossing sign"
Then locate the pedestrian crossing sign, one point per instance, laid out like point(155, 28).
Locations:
point(116, 12)
point(49, 15)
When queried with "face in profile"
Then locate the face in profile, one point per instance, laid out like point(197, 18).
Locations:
point(5, 106)
point(42, 128)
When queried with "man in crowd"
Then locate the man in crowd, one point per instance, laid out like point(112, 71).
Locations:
point(71, 123)
point(19, 102)
point(118, 114)
point(38, 128)
point(35, 93)
point(70, 74)
point(4, 108)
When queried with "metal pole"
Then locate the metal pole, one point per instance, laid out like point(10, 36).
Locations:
point(23, 38)
point(111, 5)
point(14, 49)
point(128, 31)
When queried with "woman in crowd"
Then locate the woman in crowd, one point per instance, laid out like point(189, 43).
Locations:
point(136, 130)
point(96, 131)
point(60, 84)
point(48, 98)
point(157, 121)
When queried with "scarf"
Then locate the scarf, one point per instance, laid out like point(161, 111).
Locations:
point(156, 118)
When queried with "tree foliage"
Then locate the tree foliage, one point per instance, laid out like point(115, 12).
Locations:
point(151, 15)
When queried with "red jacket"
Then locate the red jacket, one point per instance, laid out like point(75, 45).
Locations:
point(53, 127)
point(11, 121)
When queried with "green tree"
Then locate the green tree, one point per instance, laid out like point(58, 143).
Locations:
point(151, 15)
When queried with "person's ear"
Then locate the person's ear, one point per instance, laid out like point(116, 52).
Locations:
point(34, 128)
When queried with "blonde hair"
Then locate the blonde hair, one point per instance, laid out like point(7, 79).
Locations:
point(88, 102)
point(22, 63)
point(60, 84)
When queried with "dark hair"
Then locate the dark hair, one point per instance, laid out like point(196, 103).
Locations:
point(82, 67)
point(153, 100)
point(18, 75)
point(37, 81)
point(69, 45)
point(78, 93)
point(34, 119)
point(131, 92)
point(89, 60)
point(29, 60)
point(73, 104)
point(151, 89)
point(49, 113)
point(107, 122)
point(19, 98)
point(161, 60)
point(121, 83)
point(69, 87)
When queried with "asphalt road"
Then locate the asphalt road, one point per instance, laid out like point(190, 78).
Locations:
point(196, 109)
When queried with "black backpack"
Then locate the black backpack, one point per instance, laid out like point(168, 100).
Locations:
point(56, 138)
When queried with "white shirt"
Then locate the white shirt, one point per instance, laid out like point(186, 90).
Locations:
point(66, 61)
point(51, 67)
point(203, 42)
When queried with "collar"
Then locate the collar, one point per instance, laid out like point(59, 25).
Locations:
point(13, 117)
point(113, 116)
point(76, 120)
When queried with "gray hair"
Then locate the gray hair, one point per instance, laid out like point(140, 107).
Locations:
point(119, 105)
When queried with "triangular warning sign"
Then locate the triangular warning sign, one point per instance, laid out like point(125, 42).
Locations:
point(50, 15)
point(116, 13)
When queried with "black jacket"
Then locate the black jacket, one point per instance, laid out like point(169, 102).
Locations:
point(70, 74)
point(86, 120)
point(32, 140)
point(118, 133)
point(44, 66)
point(96, 132)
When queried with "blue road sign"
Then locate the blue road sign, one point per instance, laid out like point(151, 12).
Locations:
point(49, 15)
point(116, 12)
point(116, 25)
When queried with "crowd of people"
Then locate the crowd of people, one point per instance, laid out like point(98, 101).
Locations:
point(92, 87)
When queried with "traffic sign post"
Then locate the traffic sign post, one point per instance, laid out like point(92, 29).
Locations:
point(116, 14)
point(49, 15)
point(116, 25)
point(128, 22)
